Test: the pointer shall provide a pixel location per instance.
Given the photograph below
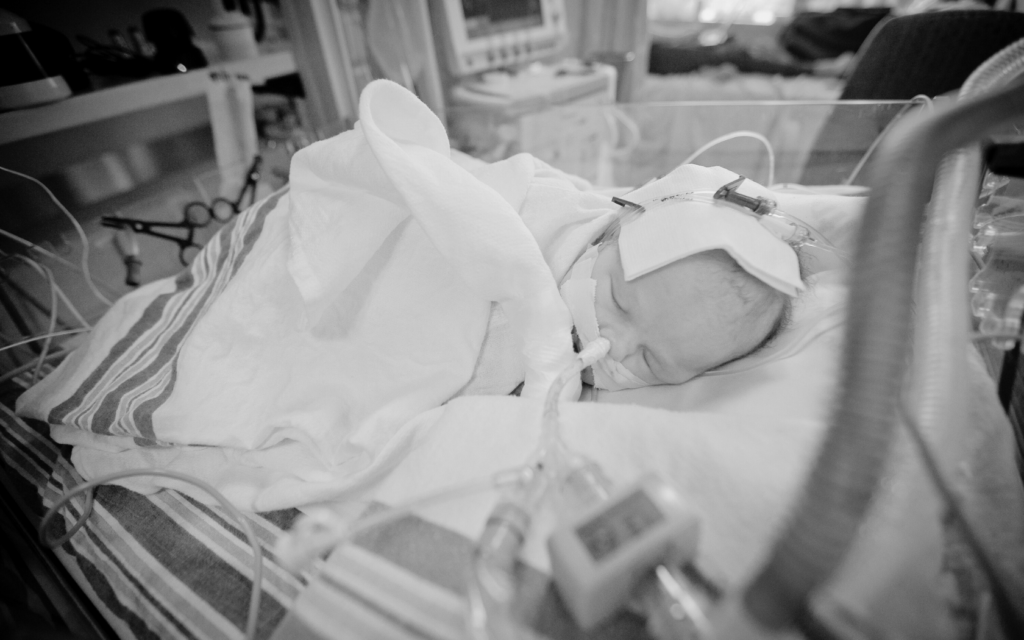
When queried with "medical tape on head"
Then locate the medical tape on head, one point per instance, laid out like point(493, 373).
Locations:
point(674, 229)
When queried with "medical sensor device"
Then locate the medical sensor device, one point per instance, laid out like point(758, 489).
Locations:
point(599, 557)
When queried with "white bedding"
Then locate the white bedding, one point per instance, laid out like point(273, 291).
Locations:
point(310, 349)
point(296, 357)
point(288, 363)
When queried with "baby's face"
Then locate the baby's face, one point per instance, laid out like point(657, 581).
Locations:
point(677, 322)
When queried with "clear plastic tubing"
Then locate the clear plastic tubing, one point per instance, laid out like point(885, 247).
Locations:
point(492, 581)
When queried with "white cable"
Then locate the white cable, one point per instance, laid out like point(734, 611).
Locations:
point(78, 227)
point(257, 550)
point(45, 252)
point(44, 336)
point(740, 134)
point(60, 292)
point(874, 143)
point(48, 276)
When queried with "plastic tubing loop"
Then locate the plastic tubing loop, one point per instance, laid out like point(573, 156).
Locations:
point(845, 475)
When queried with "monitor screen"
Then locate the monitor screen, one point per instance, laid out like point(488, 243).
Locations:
point(489, 17)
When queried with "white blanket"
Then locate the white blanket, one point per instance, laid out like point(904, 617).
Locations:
point(288, 363)
point(295, 360)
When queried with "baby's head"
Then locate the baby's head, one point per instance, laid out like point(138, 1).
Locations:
point(686, 318)
point(687, 287)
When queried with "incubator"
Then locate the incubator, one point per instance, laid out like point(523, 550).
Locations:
point(493, 594)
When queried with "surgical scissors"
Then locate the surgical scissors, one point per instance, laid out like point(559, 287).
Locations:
point(222, 209)
point(195, 216)
point(187, 246)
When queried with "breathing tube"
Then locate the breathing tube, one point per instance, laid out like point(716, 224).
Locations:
point(846, 474)
point(492, 581)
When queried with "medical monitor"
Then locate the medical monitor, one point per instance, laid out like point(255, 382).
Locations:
point(483, 35)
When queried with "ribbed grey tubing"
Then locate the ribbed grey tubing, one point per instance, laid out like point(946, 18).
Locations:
point(940, 359)
point(843, 481)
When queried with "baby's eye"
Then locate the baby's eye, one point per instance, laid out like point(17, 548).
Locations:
point(647, 362)
point(615, 300)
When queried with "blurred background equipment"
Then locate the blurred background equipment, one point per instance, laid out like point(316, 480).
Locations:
point(171, 34)
point(24, 79)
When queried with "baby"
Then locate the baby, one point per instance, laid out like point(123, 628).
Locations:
point(692, 316)
point(685, 305)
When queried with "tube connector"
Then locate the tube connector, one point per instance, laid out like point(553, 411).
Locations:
point(594, 351)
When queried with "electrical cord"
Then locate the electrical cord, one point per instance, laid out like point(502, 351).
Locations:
point(78, 228)
point(42, 250)
point(45, 355)
point(87, 488)
point(25, 367)
point(60, 292)
point(740, 134)
point(48, 275)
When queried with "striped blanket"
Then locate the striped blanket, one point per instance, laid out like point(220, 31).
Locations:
point(161, 566)
point(138, 373)
point(166, 566)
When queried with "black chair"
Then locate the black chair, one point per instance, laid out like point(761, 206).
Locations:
point(928, 53)
point(921, 54)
